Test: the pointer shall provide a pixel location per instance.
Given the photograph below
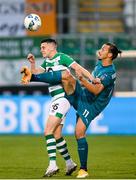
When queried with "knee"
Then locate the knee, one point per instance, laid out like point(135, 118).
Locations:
point(66, 75)
point(79, 133)
point(80, 130)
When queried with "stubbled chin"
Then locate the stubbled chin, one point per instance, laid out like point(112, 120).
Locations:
point(98, 55)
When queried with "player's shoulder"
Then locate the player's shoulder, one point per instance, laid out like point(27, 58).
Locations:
point(98, 62)
point(111, 72)
point(58, 56)
point(61, 54)
point(112, 69)
point(65, 57)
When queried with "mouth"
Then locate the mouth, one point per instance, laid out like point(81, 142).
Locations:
point(44, 55)
point(98, 53)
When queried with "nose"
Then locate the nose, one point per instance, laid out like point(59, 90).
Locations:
point(98, 51)
point(41, 51)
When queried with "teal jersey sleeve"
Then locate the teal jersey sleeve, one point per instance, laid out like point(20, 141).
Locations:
point(43, 65)
point(66, 60)
point(106, 79)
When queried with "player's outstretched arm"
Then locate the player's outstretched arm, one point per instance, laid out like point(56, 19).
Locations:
point(80, 71)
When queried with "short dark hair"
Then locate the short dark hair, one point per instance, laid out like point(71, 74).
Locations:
point(49, 40)
point(114, 50)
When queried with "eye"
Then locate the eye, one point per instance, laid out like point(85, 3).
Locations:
point(43, 48)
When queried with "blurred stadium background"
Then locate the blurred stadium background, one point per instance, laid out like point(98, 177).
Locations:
point(80, 27)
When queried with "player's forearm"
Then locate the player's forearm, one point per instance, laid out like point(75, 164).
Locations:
point(90, 87)
point(87, 74)
point(33, 68)
point(80, 71)
point(93, 88)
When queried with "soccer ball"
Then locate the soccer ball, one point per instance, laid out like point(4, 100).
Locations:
point(32, 22)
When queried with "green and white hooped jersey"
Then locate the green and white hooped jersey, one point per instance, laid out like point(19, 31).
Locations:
point(60, 61)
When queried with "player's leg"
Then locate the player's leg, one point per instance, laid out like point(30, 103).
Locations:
point(52, 123)
point(58, 132)
point(47, 77)
point(80, 131)
point(69, 82)
point(63, 150)
point(56, 113)
point(55, 77)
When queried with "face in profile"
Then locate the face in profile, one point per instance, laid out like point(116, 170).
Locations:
point(104, 53)
point(46, 49)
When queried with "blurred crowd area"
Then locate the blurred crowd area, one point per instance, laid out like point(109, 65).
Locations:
point(81, 27)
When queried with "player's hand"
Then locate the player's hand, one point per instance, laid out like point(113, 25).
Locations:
point(26, 75)
point(80, 77)
point(96, 81)
point(31, 58)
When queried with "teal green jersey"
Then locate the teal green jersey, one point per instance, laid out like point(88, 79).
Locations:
point(60, 61)
point(107, 74)
point(87, 104)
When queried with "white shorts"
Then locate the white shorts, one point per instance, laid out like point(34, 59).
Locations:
point(59, 108)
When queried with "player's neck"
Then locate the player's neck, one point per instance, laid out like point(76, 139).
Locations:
point(52, 54)
point(106, 62)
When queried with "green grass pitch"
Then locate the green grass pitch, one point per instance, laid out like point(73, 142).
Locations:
point(110, 157)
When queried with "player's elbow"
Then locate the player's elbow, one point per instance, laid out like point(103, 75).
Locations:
point(96, 92)
point(97, 89)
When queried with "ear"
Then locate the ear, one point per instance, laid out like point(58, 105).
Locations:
point(52, 48)
point(110, 55)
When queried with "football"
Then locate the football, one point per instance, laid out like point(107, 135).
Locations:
point(32, 22)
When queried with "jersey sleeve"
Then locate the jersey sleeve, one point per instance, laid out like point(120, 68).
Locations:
point(107, 79)
point(67, 60)
point(43, 65)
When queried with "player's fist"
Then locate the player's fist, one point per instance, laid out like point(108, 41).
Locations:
point(96, 81)
point(26, 75)
point(31, 58)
